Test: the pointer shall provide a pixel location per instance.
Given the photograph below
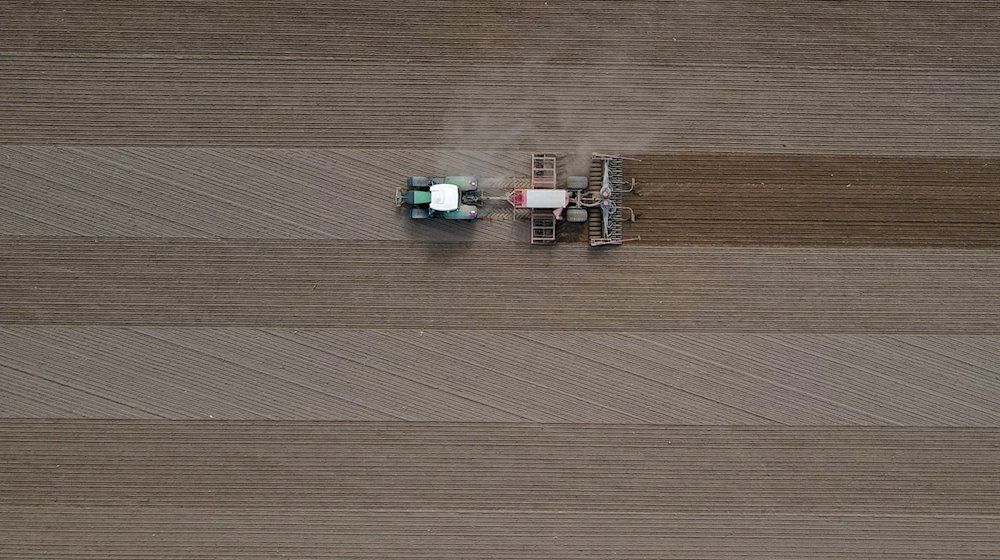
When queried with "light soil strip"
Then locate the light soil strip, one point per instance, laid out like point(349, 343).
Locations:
point(498, 376)
point(238, 193)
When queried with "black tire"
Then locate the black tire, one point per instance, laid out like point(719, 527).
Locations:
point(418, 182)
point(576, 215)
point(419, 214)
point(576, 183)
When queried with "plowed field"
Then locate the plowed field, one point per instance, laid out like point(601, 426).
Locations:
point(219, 337)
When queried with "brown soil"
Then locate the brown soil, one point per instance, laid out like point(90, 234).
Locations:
point(377, 490)
point(196, 226)
point(763, 199)
point(497, 286)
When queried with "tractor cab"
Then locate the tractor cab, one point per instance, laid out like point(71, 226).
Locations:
point(444, 197)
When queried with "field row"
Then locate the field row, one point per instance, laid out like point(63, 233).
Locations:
point(496, 376)
point(496, 286)
point(796, 33)
point(236, 193)
point(374, 490)
point(718, 199)
point(515, 468)
point(400, 103)
point(199, 533)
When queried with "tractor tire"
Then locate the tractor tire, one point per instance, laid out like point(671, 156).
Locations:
point(464, 183)
point(576, 183)
point(418, 182)
point(419, 214)
point(576, 215)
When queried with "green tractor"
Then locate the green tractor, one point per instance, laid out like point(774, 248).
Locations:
point(450, 198)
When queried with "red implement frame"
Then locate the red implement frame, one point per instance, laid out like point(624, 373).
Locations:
point(543, 227)
point(543, 176)
point(543, 171)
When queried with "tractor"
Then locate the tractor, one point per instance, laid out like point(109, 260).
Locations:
point(451, 198)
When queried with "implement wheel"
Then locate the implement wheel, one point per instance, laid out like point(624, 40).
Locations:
point(576, 183)
point(576, 215)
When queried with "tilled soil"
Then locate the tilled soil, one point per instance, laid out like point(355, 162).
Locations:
point(681, 198)
point(551, 377)
point(809, 78)
point(218, 337)
point(371, 284)
point(372, 490)
point(774, 199)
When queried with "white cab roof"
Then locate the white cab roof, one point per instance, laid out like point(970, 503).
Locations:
point(444, 197)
